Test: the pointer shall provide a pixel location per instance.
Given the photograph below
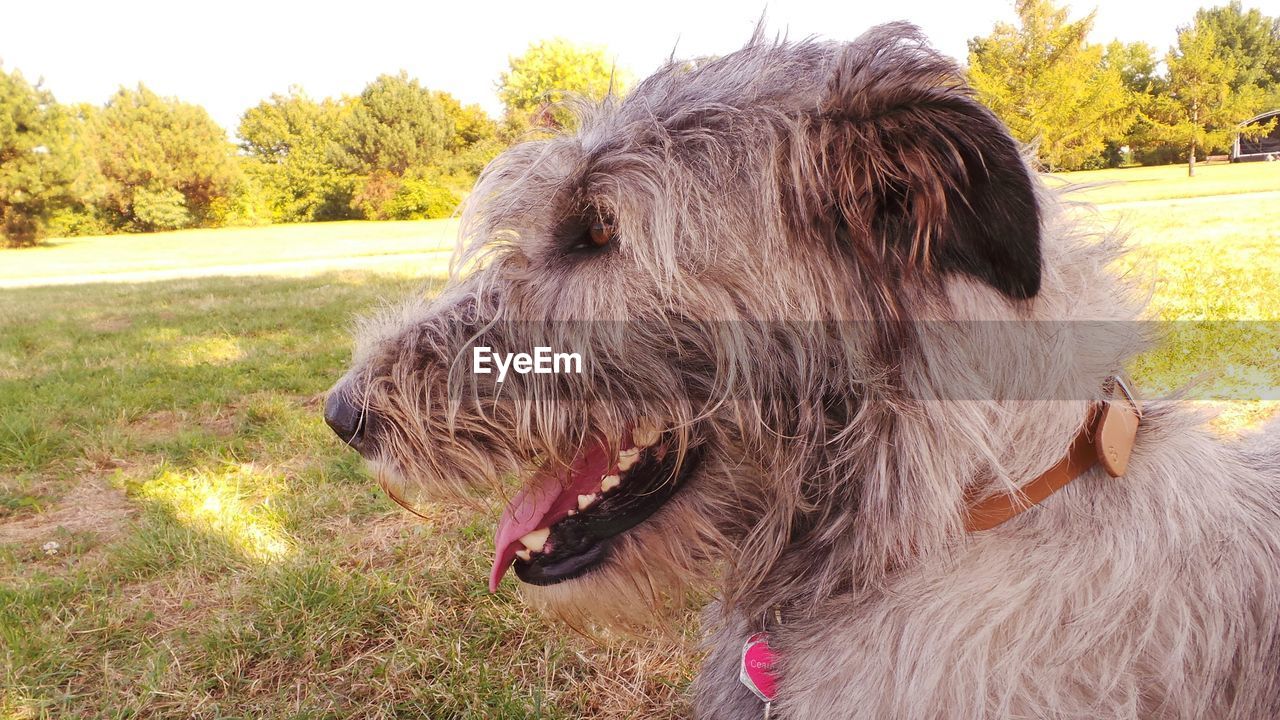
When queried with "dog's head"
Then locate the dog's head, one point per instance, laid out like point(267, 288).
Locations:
point(733, 251)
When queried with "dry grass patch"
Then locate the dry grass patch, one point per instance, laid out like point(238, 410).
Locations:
point(93, 507)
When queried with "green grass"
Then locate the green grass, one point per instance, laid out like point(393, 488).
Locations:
point(322, 246)
point(218, 555)
point(1211, 262)
point(1166, 182)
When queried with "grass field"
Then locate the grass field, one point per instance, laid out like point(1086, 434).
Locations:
point(180, 536)
point(421, 247)
point(1166, 182)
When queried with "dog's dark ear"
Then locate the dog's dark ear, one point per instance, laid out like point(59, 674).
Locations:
point(908, 160)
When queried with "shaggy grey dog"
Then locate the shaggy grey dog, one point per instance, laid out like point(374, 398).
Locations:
point(821, 305)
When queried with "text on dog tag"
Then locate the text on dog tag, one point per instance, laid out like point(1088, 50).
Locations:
point(757, 671)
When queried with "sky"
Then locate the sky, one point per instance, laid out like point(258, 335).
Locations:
point(228, 55)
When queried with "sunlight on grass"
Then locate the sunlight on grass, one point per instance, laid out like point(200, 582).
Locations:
point(208, 350)
point(16, 707)
point(1213, 271)
point(320, 245)
point(233, 503)
point(1164, 182)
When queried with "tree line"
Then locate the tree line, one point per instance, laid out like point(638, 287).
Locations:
point(142, 162)
point(398, 150)
point(1084, 106)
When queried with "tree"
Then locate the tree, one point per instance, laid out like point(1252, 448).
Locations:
point(471, 124)
point(476, 140)
point(1201, 110)
point(39, 163)
point(1136, 63)
point(394, 125)
point(536, 84)
point(1050, 87)
point(290, 142)
point(143, 142)
point(398, 151)
point(1249, 39)
point(1138, 67)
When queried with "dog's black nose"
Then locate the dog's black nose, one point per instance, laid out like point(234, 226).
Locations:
point(344, 417)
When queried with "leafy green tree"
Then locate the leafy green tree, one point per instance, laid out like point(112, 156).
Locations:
point(1136, 63)
point(290, 141)
point(1050, 86)
point(399, 151)
point(471, 124)
point(1201, 110)
point(421, 197)
point(162, 209)
point(536, 84)
point(144, 142)
point(39, 160)
point(394, 125)
point(1138, 66)
point(476, 140)
point(1249, 39)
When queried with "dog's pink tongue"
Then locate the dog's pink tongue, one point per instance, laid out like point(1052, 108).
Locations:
point(547, 499)
point(519, 518)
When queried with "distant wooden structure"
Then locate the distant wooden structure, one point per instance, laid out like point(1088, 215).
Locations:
point(1265, 147)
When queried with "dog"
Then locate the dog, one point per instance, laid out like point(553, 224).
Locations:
point(827, 317)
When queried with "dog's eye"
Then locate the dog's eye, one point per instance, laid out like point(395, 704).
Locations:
point(588, 232)
point(600, 233)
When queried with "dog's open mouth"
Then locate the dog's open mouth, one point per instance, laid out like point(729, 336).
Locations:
point(561, 524)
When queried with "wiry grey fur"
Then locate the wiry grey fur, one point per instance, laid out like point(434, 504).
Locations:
point(786, 265)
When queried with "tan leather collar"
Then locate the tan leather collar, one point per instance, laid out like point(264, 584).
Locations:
point(1107, 438)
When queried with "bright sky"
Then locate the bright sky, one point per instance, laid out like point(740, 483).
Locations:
point(229, 55)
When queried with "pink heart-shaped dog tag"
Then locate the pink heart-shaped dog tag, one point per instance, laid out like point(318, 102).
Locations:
point(757, 667)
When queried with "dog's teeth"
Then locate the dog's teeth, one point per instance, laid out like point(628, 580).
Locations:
point(645, 434)
point(584, 501)
point(609, 482)
point(571, 512)
point(524, 555)
point(536, 539)
point(627, 458)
